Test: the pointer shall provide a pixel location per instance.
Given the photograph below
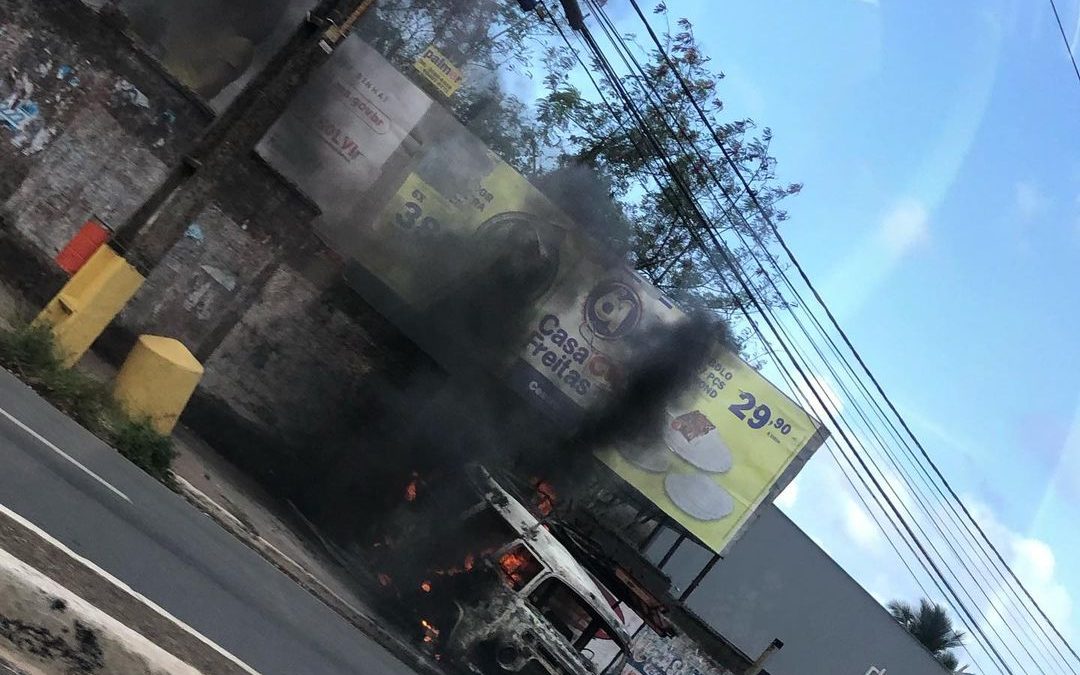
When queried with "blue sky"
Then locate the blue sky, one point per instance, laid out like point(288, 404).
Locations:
point(939, 145)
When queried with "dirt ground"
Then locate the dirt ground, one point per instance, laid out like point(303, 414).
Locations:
point(10, 307)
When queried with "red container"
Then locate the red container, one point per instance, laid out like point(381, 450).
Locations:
point(83, 245)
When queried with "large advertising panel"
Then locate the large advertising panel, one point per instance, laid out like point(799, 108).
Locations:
point(450, 213)
point(340, 130)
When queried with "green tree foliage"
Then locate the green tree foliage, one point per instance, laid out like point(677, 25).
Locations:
point(931, 625)
point(568, 131)
point(662, 248)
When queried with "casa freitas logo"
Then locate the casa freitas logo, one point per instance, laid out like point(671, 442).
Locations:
point(611, 312)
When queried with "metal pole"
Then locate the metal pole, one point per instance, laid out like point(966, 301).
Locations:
point(671, 551)
point(774, 647)
point(700, 577)
point(651, 537)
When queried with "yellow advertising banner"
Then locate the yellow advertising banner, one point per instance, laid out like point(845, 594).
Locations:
point(439, 71)
point(727, 448)
point(450, 212)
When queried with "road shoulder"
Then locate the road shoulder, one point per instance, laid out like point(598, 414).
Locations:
point(63, 568)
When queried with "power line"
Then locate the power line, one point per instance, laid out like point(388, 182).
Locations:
point(775, 231)
point(1068, 47)
point(962, 556)
point(687, 195)
point(613, 76)
point(965, 560)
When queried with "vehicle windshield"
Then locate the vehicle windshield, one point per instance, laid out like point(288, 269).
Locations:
point(576, 621)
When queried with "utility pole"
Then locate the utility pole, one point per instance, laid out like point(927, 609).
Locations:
point(147, 235)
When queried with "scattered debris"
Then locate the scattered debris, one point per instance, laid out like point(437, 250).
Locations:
point(17, 115)
point(195, 232)
point(225, 279)
point(21, 114)
point(127, 92)
point(40, 140)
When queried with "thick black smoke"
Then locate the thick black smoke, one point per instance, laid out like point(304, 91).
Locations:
point(424, 428)
point(211, 44)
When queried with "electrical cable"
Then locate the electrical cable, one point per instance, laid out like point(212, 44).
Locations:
point(699, 216)
point(1068, 47)
point(613, 80)
point(775, 231)
point(961, 556)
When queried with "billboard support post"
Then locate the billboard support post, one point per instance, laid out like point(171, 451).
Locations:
point(775, 646)
point(700, 577)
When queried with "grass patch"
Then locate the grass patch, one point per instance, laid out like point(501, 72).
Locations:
point(30, 352)
point(145, 447)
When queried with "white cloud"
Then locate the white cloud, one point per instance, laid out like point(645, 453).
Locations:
point(860, 526)
point(905, 227)
point(789, 496)
point(1035, 564)
point(1030, 201)
point(824, 388)
point(1032, 560)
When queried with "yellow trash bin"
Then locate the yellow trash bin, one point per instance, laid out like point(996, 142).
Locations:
point(157, 381)
point(89, 301)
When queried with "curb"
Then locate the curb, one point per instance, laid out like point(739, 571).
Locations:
point(370, 626)
point(55, 630)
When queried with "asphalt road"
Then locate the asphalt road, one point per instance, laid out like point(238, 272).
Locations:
point(166, 550)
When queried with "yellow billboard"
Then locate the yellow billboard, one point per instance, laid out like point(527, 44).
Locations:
point(726, 448)
point(439, 71)
point(427, 210)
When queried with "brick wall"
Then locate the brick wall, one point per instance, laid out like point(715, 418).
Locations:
point(92, 123)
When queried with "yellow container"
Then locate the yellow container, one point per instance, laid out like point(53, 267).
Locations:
point(89, 301)
point(157, 381)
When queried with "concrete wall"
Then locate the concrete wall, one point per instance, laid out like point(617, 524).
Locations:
point(93, 121)
point(777, 583)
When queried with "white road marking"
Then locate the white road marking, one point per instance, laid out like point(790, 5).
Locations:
point(48, 444)
point(127, 589)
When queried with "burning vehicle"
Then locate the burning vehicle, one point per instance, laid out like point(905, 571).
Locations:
point(522, 603)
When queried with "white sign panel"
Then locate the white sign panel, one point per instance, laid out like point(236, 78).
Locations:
point(336, 135)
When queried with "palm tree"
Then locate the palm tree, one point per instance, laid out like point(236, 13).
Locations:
point(932, 627)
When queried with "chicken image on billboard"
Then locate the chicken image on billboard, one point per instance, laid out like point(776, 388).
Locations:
point(456, 213)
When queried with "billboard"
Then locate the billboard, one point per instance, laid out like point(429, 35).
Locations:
point(728, 446)
point(439, 70)
point(339, 131)
point(448, 214)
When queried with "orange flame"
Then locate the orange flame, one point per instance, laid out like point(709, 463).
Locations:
point(515, 565)
point(426, 586)
point(410, 490)
point(431, 633)
point(466, 566)
point(545, 496)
